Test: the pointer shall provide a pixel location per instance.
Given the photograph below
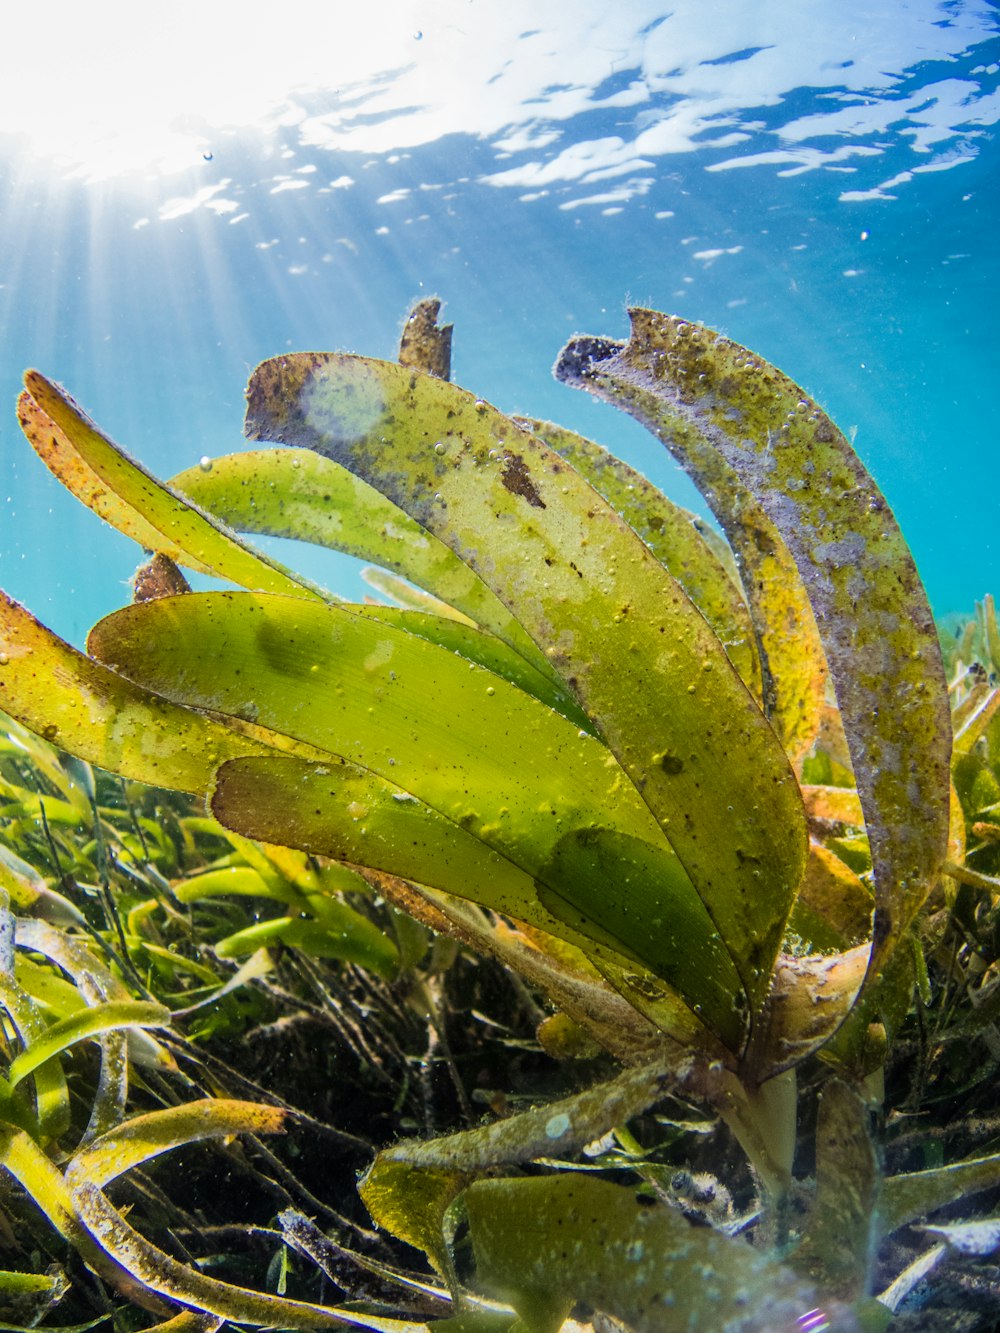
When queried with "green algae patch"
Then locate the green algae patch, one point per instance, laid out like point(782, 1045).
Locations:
point(590, 593)
point(743, 428)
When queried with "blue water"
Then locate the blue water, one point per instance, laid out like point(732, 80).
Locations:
point(819, 181)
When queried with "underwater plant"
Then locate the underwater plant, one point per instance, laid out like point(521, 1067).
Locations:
point(695, 792)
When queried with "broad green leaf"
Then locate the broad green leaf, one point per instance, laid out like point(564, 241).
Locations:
point(462, 740)
point(358, 818)
point(143, 1137)
point(80, 1026)
point(546, 1243)
point(643, 919)
point(125, 495)
point(95, 714)
point(41, 1179)
point(47, 988)
point(43, 1182)
point(15, 1283)
point(673, 535)
point(739, 423)
point(92, 979)
point(290, 493)
point(635, 651)
point(73, 954)
point(161, 1274)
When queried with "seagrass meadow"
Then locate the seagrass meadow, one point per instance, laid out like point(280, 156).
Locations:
point(614, 892)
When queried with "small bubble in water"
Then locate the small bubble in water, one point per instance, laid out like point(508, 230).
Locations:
point(418, 36)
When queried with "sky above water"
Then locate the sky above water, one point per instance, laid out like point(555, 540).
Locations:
point(185, 193)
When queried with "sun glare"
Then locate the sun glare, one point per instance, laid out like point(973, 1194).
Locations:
point(100, 90)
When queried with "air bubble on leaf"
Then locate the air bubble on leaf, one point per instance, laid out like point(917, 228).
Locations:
point(557, 1126)
point(205, 463)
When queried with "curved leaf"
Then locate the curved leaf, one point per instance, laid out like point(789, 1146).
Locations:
point(342, 933)
point(51, 1092)
point(146, 1136)
point(409, 1186)
point(729, 415)
point(131, 499)
point(84, 1024)
point(160, 1273)
point(791, 656)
